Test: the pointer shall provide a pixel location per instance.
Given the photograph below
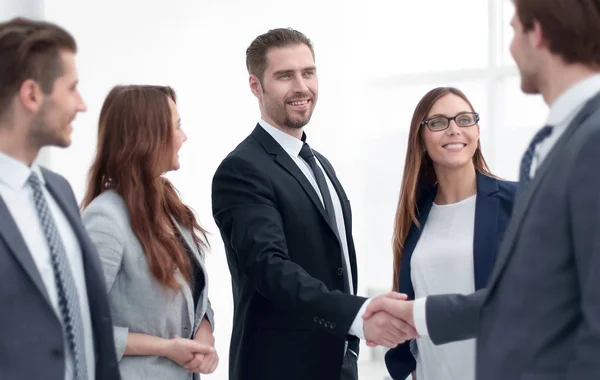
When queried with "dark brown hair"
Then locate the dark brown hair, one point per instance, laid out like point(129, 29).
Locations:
point(30, 50)
point(572, 27)
point(256, 54)
point(135, 136)
point(419, 174)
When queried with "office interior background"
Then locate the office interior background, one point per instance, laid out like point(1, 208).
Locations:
point(375, 60)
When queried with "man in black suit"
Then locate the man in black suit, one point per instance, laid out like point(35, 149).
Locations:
point(55, 320)
point(539, 318)
point(287, 227)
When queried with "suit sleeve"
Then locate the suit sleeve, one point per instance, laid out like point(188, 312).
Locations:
point(453, 317)
point(584, 214)
point(245, 210)
point(110, 243)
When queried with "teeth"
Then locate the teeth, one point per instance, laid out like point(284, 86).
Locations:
point(299, 102)
point(454, 146)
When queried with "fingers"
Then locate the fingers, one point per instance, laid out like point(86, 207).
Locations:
point(379, 303)
point(403, 329)
point(388, 343)
point(370, 343)
point(195, 363)
point(199, 348)
point(396, 296)
point(210, 364)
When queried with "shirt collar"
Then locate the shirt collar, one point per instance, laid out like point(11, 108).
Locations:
point(566, 106)
point(14, 173)
point(289, 143)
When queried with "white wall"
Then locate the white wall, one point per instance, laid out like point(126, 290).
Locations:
point(367, 53)
point(20, 8)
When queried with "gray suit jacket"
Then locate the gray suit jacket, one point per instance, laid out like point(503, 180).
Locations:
point(31, 334)
point(138, 302)
point(539, 319)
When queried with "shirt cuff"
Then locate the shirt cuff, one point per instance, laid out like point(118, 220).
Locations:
point(420, 317)
point(357, 326)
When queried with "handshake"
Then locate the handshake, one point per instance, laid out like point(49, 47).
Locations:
point(388, 320)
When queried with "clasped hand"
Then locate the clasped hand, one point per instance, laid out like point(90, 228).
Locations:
point(388, 320)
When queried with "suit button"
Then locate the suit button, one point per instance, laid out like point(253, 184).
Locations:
point(332, 325)
point(340, 271)
point(321, 321)
point(326, 324)
point(316, 319)
point(56, 353)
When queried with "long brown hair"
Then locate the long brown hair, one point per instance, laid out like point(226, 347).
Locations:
point(419, 174)
point(135, 146)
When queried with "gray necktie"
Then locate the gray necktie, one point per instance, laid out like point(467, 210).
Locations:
point(68, 299)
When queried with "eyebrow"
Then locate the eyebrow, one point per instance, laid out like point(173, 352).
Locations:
point(442, 115)
point(279, 72)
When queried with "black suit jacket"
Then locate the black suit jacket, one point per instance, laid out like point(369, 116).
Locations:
point(291, 315)
point(540, 316)
point(31, 335)
point(493, 209)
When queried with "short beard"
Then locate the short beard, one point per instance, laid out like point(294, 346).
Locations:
point(40, 133)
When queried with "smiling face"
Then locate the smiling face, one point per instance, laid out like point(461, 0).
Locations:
point(289, 89)
point(523, 51)
point(455, 146)
point(179, 136)
point(51, 124)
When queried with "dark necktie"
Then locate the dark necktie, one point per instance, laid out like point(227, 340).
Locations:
point(307, 155)
point(524, 176)
point(68, 299)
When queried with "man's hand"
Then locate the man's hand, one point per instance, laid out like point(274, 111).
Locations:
point(204, 363)
point(391, 305)
point(382, 328)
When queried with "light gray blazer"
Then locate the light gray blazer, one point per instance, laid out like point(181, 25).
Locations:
point(138, 302)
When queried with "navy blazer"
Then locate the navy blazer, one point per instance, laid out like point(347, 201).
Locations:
point(493, 208)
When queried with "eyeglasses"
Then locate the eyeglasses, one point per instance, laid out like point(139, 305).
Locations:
point(441, 123)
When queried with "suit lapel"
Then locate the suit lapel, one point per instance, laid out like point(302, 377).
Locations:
point(16, 244)
point(94, 277)
point(524, 197)
point(284, 159)
point(191, 246)
point(487, 209)
point(341, 194)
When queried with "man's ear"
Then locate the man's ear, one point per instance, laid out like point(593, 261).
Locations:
point(255, 85)
point(537, 37)
point(31, 95)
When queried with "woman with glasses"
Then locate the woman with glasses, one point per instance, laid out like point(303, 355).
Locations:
point(451, 216)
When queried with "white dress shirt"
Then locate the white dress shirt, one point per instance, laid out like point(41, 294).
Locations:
point(292, 146)
point(18, 196)
point(562, 112)
point(442, 262)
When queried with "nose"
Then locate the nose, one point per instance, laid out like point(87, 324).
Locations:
point(453, 128)
point(184, 136)
point(81, 106)
point(299, 84)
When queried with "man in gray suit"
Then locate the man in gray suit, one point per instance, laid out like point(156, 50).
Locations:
point(55, 320)
point(539, 318)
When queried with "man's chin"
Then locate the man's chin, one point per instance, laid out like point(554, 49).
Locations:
point(62, 142)
point(297, 123)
